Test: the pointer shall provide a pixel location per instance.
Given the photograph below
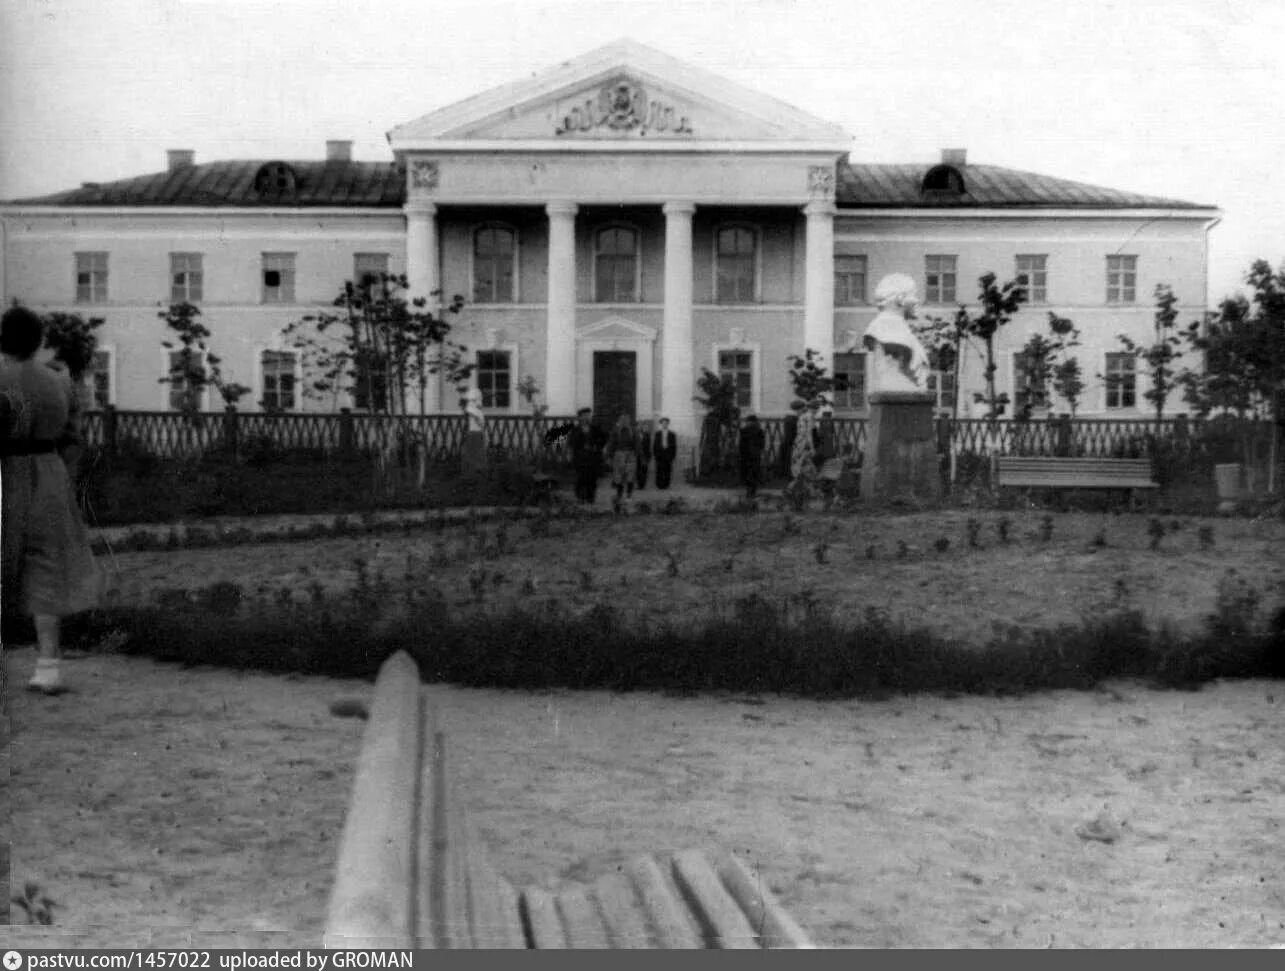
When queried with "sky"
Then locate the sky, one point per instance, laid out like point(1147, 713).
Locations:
point(1179, 98)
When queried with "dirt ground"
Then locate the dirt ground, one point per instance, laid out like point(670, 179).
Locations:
point(201, 807)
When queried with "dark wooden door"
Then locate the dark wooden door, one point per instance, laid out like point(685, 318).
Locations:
point(615, 385)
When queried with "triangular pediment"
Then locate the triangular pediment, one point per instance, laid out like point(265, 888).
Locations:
point(625, 92)
point(616, 329)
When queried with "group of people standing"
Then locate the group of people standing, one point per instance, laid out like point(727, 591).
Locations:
point(629, 451)
point(809, 450)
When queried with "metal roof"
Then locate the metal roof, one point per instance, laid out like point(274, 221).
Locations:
point(383, 184)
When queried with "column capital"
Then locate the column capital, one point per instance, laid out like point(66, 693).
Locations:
point(678, 208)
point(821, 207)
point(419, 207)
point(561, 208)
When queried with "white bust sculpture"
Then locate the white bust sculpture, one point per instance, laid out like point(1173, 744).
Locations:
point(898, 361)
point(473, 410)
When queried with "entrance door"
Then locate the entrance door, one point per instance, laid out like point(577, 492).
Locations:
point(615, 385)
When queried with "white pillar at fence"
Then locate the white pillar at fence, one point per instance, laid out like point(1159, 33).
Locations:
point(560, 328)
point(818, 306)
point(677, 385)
point(423, 276)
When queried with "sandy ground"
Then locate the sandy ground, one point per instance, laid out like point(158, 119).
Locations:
point(174, 807)
point(170, 807)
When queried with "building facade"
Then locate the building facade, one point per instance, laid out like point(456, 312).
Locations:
point(614, 225)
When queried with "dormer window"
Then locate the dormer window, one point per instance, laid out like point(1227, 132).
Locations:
point(943, 182)
point(275, 180)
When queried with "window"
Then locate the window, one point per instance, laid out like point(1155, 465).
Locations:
point(739, 366)
point(187, 381)
point(736, 270)
point(186, 278)
point(942, 182)
point(850, 382)
point(495, 261)
point(494, 377)
point(370, 382)
point(91, 278)
point(1122, 380)
point(369, 265)
point(1035, 269)
point(942, 384)
point(278, 370)
point(849, 280)
point(1027, 391)
point(278, 278)
point(616, 265)
point(939, 279)
point(99, 379)
point(1122, 279)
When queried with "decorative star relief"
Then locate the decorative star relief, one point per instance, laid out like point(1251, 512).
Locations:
point(821, 181)
point(424, 175)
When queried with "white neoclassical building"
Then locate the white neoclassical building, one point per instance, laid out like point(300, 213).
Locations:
point(614, 224)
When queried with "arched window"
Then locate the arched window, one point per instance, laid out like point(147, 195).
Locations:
point(275, 181)
point(616, 265)
point(943, 181)
point(736, 265)
point(495, 264)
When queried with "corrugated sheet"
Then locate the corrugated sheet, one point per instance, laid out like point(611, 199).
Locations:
point(381, 184)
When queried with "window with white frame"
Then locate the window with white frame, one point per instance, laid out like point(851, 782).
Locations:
point(1028, 391)
point(372, 267)
point(1034, 267)
point(495, 264)
point(91, 277)
point(939, 279)
point(942, 386)
point(187, 281)
point(616, 265)
point(370, 382)
point(187, 381)
point(738, 365)
point(850, 381)
point(278, 377)
point(1121, 380)
point(736, 265)
point(1122, 279)
point(849, 281)
point(278, 278)
point(495, 378)
point(99, 379)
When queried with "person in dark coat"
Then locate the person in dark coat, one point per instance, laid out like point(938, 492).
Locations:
point(664, 449)
point(644, 452)
point(752, 443)
point(587, 442)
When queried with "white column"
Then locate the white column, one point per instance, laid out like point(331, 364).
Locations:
point(422, 274)
point(818, 306)
point(560, 329)
point(677, 378)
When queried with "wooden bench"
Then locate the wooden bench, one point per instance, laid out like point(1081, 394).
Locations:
point(1043, 472)
point(412, 872)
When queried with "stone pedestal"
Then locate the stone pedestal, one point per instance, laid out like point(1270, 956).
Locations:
point(901, 448)
point(473, 453)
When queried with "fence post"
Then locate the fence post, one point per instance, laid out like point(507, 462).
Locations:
point(1062, 425)
point(230, 428)
point(109, 431)
point(347, 438)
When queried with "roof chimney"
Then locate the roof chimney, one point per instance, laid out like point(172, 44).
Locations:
point(180, 158)
point(338, 151)
point(954, 156)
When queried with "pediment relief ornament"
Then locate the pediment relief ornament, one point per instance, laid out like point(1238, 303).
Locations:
point(821, 181)
point(623, 106)
point(424, 175)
